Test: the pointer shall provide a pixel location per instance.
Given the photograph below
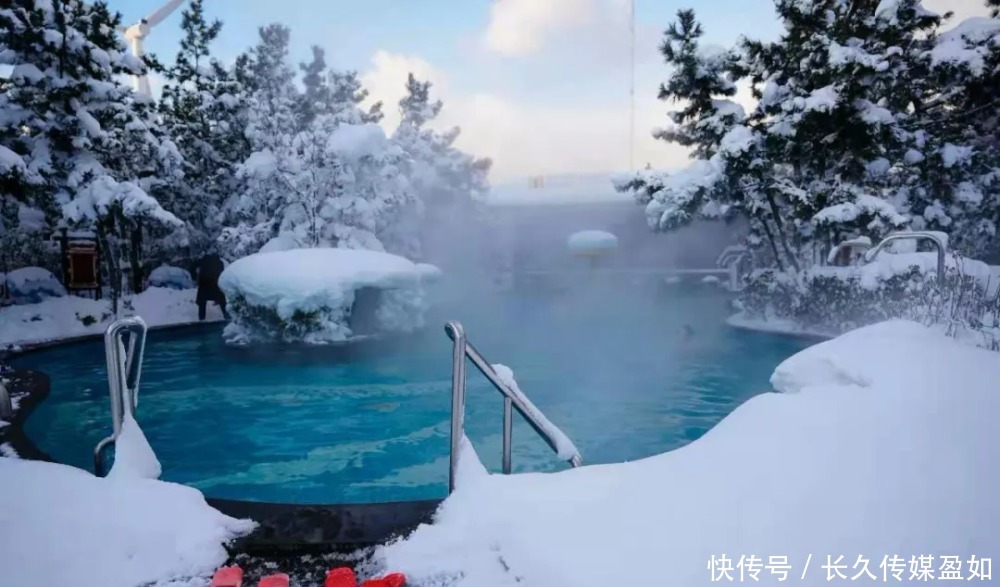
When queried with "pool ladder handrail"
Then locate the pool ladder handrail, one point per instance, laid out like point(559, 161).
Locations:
point(511, 399)
point(6, 404)
point(124, 370)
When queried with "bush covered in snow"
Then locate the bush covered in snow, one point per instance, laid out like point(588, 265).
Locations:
point(31, 285)
point(170, 277)
point(837, 299)
point(325, 295)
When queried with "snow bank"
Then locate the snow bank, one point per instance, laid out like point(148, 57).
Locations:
point(134, 458)
point(71, 316)
point(311, 291)
point(63, 526)
point(30, 285)
point(170, 277)
point(885, 445)
point(589, 241)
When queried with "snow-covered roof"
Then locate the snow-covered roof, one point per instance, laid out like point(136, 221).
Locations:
point(304, 279)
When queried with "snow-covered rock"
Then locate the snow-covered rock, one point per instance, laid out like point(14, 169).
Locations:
point(883, 444)
point(591, 241)
point(307, 294)
point(170, 277)
point(30, 285)
point(63, 526)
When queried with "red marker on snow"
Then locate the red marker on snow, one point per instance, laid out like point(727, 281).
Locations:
point(275, 580)
point(395, 580)
point(228, 577)
point(341, 577)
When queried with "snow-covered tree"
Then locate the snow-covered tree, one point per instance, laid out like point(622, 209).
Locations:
point(448, 183)
point(326, 178)
point(203, 107)
point(840, 143)
point(94, 150)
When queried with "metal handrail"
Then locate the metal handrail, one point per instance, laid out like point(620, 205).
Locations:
point(124, 370)
point(942, 248)
point(6, 405)
point(511, 399)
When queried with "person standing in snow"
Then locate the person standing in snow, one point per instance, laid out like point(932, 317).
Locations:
point(210, 267)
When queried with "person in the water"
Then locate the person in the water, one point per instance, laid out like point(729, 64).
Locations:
point(687, 333)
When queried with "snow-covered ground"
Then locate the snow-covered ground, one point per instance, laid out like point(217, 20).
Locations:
point(63, 526)
point(882, 445)
point(72, 316)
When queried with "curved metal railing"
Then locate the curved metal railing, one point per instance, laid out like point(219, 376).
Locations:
point(512, 399)
point(935, 238)
point(124, 370)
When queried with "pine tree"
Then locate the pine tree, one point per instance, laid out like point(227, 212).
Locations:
point(448, 183)
point(203, 109)
point(87, 140)
point(316, 96)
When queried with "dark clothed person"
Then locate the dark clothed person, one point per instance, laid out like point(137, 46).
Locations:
point(209, 269)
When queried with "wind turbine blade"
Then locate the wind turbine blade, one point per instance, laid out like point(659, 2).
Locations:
point(160, 15)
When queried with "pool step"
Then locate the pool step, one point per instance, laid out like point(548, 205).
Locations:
point(232, 576)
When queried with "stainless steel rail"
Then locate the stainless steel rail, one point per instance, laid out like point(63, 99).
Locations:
point(512, 398)
point(124, 370)
point(6, 405)
point(942, 248)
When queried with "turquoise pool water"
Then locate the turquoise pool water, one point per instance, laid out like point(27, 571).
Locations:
point(371, 424)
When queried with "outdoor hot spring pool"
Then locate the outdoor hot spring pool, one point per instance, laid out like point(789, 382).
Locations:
point(371, 423)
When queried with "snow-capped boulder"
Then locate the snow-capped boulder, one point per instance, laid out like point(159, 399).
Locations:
point(318, 295)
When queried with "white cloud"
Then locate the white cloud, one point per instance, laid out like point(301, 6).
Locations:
point(526, 139)
point(522, 27)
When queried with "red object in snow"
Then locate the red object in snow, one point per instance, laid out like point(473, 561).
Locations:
point(395, 580)
point(275, 580)
point(341, 577)
point(228, 577)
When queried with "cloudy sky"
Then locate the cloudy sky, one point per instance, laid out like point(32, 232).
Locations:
point(541, 86)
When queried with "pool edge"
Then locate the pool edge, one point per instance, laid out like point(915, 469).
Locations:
point(281, 527)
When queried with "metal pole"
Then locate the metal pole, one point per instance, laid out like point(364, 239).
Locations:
point(457, 334)
point(508, 433)
point(6, 406)
point(631, 132)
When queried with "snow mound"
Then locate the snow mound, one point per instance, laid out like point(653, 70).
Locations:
point(134, 458)
point(886, 421)
point(170, 277)
point(63, 526)
point(589, 241)
point(311, 292)
point(31, 285)
point(282, 242)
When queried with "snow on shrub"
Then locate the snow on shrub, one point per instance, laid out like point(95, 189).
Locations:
point(837, 299)
point(171, 278)
point(310, 295)
point(31, 285)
